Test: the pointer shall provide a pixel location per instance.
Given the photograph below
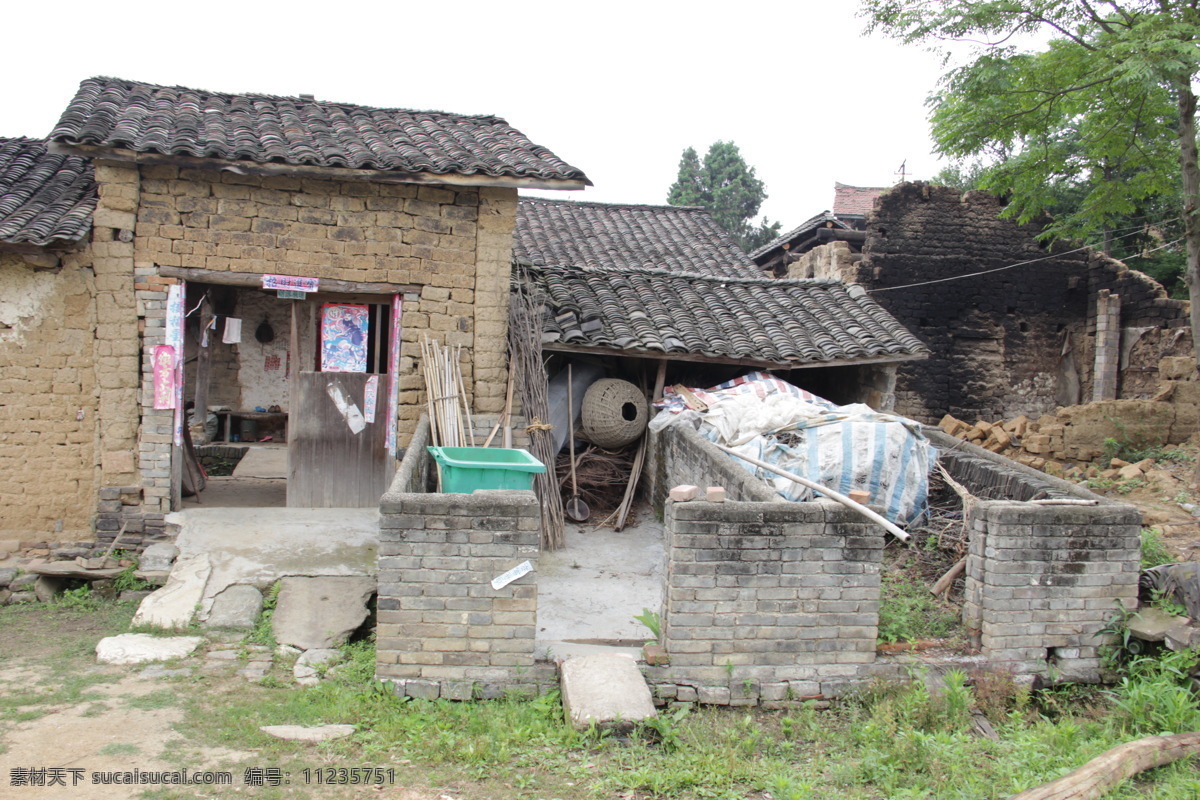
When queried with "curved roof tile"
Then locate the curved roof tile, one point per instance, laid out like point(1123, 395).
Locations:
point(173, 120)
point(46, 199)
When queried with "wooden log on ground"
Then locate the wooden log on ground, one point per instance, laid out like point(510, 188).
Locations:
point(1112, 767)
point(946, 581)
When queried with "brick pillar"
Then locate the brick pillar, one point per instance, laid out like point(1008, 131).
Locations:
point(116, 361)
point(1044, 579)
point(1108, 345)
point(443, 630)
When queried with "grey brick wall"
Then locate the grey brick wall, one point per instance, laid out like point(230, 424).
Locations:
point(443, 631)
point(678, 455)
point(770, 592)
point(1042, 580)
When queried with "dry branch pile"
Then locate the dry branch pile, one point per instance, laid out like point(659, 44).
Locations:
point(525, 360)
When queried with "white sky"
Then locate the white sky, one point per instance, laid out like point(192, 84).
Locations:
point(616, 88)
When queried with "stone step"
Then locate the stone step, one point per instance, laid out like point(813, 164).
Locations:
point(605, 690)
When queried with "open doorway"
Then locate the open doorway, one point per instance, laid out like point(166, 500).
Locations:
point(297, 395)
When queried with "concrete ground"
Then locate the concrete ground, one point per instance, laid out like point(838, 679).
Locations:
point(260, 545)
point(590, 591)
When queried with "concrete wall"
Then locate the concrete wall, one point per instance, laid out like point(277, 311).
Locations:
point(443, 631)
point(48, 397)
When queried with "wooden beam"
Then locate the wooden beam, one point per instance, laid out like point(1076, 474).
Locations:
point(254, 279)
point(204, 361)
point(310, 171)
point(738, 362)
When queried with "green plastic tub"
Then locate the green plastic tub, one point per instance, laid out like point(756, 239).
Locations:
point(465, 469)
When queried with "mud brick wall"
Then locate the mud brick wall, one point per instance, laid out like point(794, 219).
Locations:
point(443, 631)
point(997, 338)
point(1042, 581)
point(48, 396)
point(769, 593)
point(453, 244)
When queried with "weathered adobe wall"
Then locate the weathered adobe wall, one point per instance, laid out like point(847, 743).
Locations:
point(996, 338)
point(48, 397)
point(455, 244)
point(1018, 341)
point(443, 631)
point(452, 242)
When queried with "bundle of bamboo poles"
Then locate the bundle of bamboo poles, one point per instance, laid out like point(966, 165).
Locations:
point(445, 395)
point(525, 359)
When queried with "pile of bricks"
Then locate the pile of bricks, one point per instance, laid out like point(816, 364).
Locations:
point(1040, 444)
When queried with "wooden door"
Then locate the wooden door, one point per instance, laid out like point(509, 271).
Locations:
point(336, 458)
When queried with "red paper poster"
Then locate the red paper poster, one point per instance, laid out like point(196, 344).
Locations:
point(164, 376)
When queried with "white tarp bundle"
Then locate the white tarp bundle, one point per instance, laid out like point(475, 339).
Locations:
point(842, 447)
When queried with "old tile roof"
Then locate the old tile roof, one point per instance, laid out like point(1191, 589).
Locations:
point(807, 227)
point(674, 238)
point(855, 201)
point(794, 322)
point(46, 199)
point(176, 121)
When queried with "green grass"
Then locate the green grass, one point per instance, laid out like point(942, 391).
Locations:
point(1154, 552)
point(890, 740)
point(908, 612)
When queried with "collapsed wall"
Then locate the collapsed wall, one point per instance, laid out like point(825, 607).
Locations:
point(1012, 324)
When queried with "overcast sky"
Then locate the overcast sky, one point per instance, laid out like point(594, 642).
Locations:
point(616, 88)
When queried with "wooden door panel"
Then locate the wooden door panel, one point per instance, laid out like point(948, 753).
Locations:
point(330, 465)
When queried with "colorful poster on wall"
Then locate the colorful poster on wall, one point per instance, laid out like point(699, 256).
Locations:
point(164, 376)
point(344, 337)
point(370, 398)
point(394, 374)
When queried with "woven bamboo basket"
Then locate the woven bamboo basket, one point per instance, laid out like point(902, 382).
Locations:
point(614, 413)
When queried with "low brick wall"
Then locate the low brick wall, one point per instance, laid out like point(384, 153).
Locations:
point(773, 602)
point(678, 455)
point(443, 631)
point(767, 601)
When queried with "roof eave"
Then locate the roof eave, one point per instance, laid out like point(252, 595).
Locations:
point(304, 170)
point(658, 355)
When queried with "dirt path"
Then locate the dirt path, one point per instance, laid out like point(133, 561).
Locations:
point(119, 722)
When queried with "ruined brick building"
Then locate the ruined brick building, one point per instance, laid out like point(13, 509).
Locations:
point(1014, 327)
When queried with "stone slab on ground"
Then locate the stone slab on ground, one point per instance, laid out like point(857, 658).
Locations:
point(158, 557)
point(307, 670)
point(258, 546)
point(320, 613)
point(1151, 625)
point(69, 569)
point(604, 690)
point(139, 648)
point(300, 733)
point(238, 606)
point(173, 605)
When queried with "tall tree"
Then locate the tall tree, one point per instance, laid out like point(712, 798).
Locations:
point(727, 187)
point(1106, 111)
